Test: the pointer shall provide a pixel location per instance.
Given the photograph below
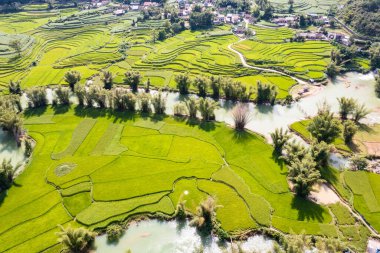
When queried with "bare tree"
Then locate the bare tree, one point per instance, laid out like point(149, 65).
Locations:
point(241, 116)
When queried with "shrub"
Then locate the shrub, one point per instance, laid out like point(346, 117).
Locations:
point(204, 219)
point(36, 97)
point(129, 101)
point(349, 130)
point(359, 112)
point(279, 138)
point(117, 99)
point(180, 109)
point(266, 94)
point(76, 240)
point(72, 77)
point(320, 151)
point(99, 95)
point(358, 163)
point(234, 90)
point(81, 94)
point(377, 85)
point(192, 107)
point(10, 119)
point(6, 174)
point(159, 103)
point(114, 232)
point(144, 102)
point(206, 107)
point(14, 87)
point(28, 147)
point(132, 78)
point(63, 95)
point(183, 83)
point(241, 116)
point(201, 83)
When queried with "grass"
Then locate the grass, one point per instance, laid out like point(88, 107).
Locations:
point(145, 179)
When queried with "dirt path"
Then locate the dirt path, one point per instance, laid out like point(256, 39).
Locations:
point(245, 64)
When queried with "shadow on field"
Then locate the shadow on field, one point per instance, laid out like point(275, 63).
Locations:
point(119, 116)
point(307, 210)
point(3, 194)
point(61, 109)
point(30, 112)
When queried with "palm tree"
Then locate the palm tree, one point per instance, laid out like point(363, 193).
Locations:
point(359, 113)
point(206, 107)
point(63, 95)
point(7, 172)
point(76, 240)
point(72, 77)
point(132, 78)
point(241, 116)
point(201, 83)
point(159, 103)
point(183, 83)
point(279, 138)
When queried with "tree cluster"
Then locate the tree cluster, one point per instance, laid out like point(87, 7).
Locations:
point(190, 107)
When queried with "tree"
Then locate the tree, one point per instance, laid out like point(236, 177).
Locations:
point(107, 79)
point(374, 53)
point(201, 83)
point(332, 69)
point(147, 88)
point(36, 97)
point(303, 175)
point(7, 172)
point(324, 127)
point(179, 109)
point(132, 78)
point(14, 87)
point(114, 232)
point(183, 83)
point(161, 35)
point(16, 46)
point(192, 107)
point(320, 151)
point(216, 84)
point(241, 116)
point(63, 95)
point(144, 102)
point(349, 130)
point(279, 138)
point(75, 240)
point(266, 93)
point(159, 103)
point(201, 20)
point(302, 21)
point(346, 107)
point(206, 107)
point(359, 113)
point(205, 216)
point(358, 163)
point(234, 90)
point(377, 85)
point(72, 77)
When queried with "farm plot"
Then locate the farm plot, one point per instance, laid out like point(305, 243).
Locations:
point(305, 6)
point(306, 60)
point(73, 164)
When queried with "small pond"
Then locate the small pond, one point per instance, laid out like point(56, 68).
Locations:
point(152, 236)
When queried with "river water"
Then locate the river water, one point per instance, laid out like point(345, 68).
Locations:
point(152, 236)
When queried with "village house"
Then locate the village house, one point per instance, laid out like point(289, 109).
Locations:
point(312, 35)
point(219, 19)
point(134, 6)
point(232, 18)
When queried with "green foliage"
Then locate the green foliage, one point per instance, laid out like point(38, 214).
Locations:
point(183, 83)
point(144, 102)
point(266, 94)
point(72, 77)
point(205, 217)
point(36, 97)
point(16, 46)
point(320, 151)
point(159, 103)
point(180, 109)
point(10, 119)
point(332, 69)
point(207, 107)
point(132, 78)
point(28, 147)
point(374, 52)
point(192, 107)
point(216, 83)
point(107, 79)
point(358, 163)
point(234, 90)
point(200, 20)
point(279, 139)
point(377, 85)
point(349, 130)
point(346, 107)
point(324, 127)
point(76, 240)
point(63, 95)
point(201, 83)
point(303, 174)
point(6, 175)
point(14, 87)
point(114, 232)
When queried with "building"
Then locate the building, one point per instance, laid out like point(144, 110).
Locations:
point(119, 12)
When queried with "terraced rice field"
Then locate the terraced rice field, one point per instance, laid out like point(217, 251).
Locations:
point(89, 42)
point(91, 167)
point(305, 6)
point(271, 48)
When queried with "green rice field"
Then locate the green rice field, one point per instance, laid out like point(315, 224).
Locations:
point(90, 168)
